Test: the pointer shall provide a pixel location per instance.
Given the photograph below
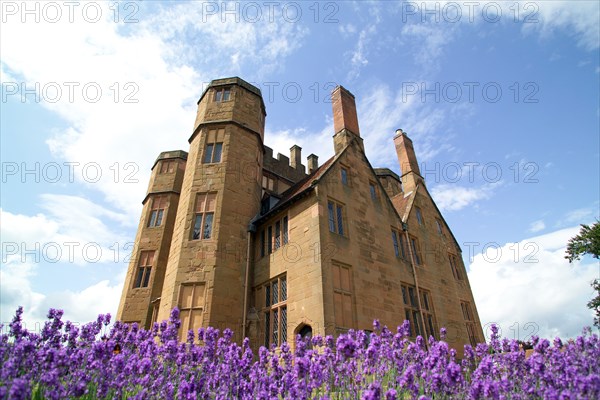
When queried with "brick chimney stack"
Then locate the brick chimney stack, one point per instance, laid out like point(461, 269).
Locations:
point(345, 120)
point(313, 163)
point(344, 111)
point(411, 174)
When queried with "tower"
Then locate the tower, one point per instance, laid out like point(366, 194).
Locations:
point(145, 275)
point(221, 191)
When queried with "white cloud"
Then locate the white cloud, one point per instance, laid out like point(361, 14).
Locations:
point(537, 226)
point(579, 21)
point(531, 287)
point(72, 233)
point(79, 306)
point(579, 216)
point(159, 64)
point(318, 143)
point(17, 291)
point(382, 110)
point(449, 197)
point(432, 39)
point(430, 26)
point(74, 230)
point(85, 305)
point(359, 56)
point(209, 35)
point(347, 30)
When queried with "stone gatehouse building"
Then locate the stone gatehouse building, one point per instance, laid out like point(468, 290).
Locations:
point(272, 248)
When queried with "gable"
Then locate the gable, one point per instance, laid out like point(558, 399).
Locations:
point(355, 161)
point(424, 196)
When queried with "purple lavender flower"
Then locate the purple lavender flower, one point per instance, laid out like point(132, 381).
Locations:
point(65, 361)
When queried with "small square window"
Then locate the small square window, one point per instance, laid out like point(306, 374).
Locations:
point(222, 94)
point(268, 183)
point(399, 245)
point(212, 153)
point(203, 219)
point(440, 227)
point(167, 166)
point(330, 211)
point(157, 211)
point(285, 230)
point(414, 244)
point(470, 322)
point(213, 149)
point(396, 243)
point(419, 216)
point(277, 235)
point(340, 220)
point(142, 277)
point(336, 217)
point(373, 191)
point(455, 267)
point(344, 174)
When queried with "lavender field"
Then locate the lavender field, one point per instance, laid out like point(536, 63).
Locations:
point(101, 362)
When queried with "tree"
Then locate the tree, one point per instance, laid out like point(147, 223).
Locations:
point(587, 242)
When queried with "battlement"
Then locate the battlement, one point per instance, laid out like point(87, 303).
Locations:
point(290, 168)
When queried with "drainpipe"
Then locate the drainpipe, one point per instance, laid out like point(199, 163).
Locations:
point(251, 229)
point(414, 270)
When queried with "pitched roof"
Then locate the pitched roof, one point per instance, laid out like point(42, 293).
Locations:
point(402, 203)
point(305, 185)
point(301, 188)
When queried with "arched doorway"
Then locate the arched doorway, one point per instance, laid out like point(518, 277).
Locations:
point(305, 332)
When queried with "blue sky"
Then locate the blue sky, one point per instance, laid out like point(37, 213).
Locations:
point(501, 100)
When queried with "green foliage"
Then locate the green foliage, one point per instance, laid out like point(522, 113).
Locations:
point(594, 303)
point(587, 242)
